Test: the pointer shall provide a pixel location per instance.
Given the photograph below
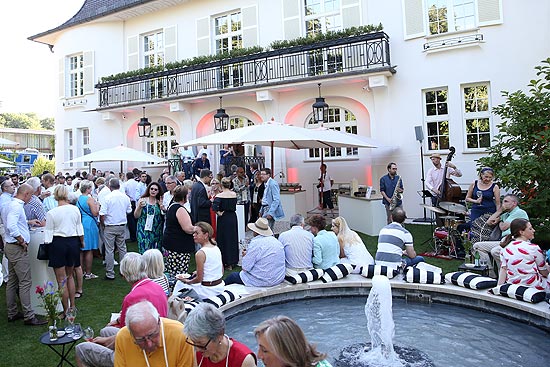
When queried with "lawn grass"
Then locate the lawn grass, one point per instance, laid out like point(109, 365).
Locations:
point(20, 345)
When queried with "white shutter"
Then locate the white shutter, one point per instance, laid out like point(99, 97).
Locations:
point(88, 57)
point(132, 47)
point(489, 12)
point(61, 76)
point(203, 36)
point(250, 26)
point(170, 44)
point(413, 19)
point(351, 13)
point(292, 26)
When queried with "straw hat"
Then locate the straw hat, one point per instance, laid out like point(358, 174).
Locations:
point(261, 226)
point(435, 155)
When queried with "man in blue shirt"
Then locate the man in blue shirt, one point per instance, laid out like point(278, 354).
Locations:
point(388, 184)
point(326, 250)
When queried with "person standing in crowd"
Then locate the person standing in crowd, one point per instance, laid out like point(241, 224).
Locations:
point(204, 150)
point(325, 190)
point(49, 184)
point(388, 187)
point(205, 325)
point(34, 208)
point(241, 185)
point(226, 154)
point(207, 280)
point(271, 208)
point(150, 223)
point(178, 234)
point(435, 175)
point(394, 242)
point(256, 195)
point(89, 210)
point(130, 189)
point(200, 164)
point(326, 250)
point(263, 263)
point(187, 157)
point(65, 234)
point(112, 215)
point(16, 239)
point(298, 245)
point(200, 202)
point(141, 187)
point(171, 184)
point(225, 206)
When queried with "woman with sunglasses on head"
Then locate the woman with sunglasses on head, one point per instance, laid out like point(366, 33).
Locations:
point(150, 221)
point(205, 328)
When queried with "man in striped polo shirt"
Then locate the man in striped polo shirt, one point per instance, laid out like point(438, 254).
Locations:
point(394, 242)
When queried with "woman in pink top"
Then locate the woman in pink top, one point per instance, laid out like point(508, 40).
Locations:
point(523, 262)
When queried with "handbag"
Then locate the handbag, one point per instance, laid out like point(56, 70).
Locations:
point(496, 234)
point(43, 251)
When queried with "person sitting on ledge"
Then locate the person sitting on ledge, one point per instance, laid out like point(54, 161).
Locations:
point(394, 242)
point(263, 263)
point(326, 250)
point(298, 244)
point(523, 262)
point(352, 249)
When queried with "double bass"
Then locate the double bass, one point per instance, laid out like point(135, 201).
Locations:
point(449, 190)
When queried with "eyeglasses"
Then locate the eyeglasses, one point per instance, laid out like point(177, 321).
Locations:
point(170, 183)
point(203, 347)
point(149, 337)
point(154, 188)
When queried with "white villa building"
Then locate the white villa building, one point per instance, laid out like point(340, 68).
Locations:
point(437, 64)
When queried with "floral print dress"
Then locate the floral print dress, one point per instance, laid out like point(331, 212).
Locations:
point(148, 239)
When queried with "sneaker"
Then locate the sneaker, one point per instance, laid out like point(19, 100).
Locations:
point(35, 321)
point(116, 263)
point(109, 278)
point(90, 276)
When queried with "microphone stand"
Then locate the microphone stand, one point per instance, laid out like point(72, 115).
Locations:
point(424, 219)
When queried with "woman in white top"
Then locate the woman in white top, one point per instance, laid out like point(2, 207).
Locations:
point(207, 279)
point(65, 234)
point(352, 248)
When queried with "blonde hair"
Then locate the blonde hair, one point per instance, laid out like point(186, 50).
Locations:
point(288, 342)
point(154, 263)
point(61, 192)
point(346, 236)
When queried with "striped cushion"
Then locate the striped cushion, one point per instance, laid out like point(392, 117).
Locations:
point(520, 292)
point(470, 280)
point(372, 270)
point(413, 275)
point(306, 276)
point(222, 298)
point(336, 272)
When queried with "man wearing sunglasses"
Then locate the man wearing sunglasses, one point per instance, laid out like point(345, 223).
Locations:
point(151, 340)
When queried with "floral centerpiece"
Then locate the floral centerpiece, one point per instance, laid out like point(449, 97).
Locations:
point(50, 296)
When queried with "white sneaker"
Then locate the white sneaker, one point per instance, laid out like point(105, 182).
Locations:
point(116, 263)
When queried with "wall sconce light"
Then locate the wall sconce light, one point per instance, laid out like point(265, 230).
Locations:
point(320, 108)
point(221, 119)
point(144, 126)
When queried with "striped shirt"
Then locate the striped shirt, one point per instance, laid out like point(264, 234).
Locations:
point(263, 264)
point(298, 245)
point(391, 242)
point(34, 209)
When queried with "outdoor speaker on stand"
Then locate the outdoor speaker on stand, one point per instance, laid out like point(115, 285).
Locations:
point(420, 138)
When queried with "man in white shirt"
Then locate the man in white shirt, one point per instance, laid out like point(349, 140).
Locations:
point(171, 184)
point(435, 174)
point(17, 239)
point(8, 189)
point(298, 244)
point(48, 183)
point(142, 185)
point(113, 217)
point(131, 191)
point(187, 157)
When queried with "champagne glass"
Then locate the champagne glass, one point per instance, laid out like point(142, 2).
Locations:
point(88, 334)
point(479, 194)
point(77, 332)
point(70, 315)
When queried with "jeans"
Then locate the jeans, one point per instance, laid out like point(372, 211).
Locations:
point(413, 261)
point(233, 278)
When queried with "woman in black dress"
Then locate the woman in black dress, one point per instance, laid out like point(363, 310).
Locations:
point(227, 236)
point(178, 234)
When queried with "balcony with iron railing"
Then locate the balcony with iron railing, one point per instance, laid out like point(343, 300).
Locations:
point(355, 55)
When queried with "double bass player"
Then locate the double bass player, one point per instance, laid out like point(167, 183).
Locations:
point(435, 175)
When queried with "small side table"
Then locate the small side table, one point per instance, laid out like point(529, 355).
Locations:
point(66, 343)
point(482, 270)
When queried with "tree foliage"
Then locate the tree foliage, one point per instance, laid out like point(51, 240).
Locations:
point(42, 164)
point(520, 154)
point(28, 120)
point(48, 123)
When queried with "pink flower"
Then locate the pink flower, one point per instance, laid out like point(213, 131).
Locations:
point(39, 290)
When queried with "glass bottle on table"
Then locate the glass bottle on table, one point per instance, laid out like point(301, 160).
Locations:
point(476, 259)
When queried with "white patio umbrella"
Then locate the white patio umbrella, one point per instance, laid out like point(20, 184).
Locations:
point(119, 153)
point(5, 164)
point(6, 142)
point(278, 135)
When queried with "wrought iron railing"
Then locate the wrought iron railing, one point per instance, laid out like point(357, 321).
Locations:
point(176, 164)
point(357, 54)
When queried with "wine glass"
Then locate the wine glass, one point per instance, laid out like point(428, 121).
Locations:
point(77, 332)
point(479, 194)
point(70, 315)
point(88, 334)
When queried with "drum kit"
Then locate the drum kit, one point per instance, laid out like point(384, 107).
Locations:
point(446, 237)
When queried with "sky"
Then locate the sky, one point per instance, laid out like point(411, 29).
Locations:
point(28, 70)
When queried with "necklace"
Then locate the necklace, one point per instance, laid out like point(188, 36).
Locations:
point(226, 356)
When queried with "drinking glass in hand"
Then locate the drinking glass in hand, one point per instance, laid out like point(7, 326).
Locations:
point(88, 334)
point(479, 194)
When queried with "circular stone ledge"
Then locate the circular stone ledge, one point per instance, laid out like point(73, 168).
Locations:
point(537, 315)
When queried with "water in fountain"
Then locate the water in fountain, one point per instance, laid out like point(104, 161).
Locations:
point(380, 351)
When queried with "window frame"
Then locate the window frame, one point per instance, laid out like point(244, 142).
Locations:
point(322, 16)
point(76, 75)
point(154, 141)
point(437, 118)
point(466, 116)
point(450, 6)
point(230, 32)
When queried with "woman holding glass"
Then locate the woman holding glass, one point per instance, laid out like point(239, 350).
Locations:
point(149, 218)
point(484, 194)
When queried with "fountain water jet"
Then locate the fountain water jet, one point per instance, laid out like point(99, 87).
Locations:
point(380, 351)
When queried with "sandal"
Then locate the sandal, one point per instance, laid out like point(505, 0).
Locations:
point(78, 294)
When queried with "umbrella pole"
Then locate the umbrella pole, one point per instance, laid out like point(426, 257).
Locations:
point(272, 160)
point(322, 181)
point(120, 166)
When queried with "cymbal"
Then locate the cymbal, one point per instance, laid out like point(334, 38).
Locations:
point(433, 208)
point(452, 207)
point(448, 217)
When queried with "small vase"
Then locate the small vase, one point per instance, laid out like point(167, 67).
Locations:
point(53, 331)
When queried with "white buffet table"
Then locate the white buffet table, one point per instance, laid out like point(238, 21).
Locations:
point(293, 202)
point(362, 214)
